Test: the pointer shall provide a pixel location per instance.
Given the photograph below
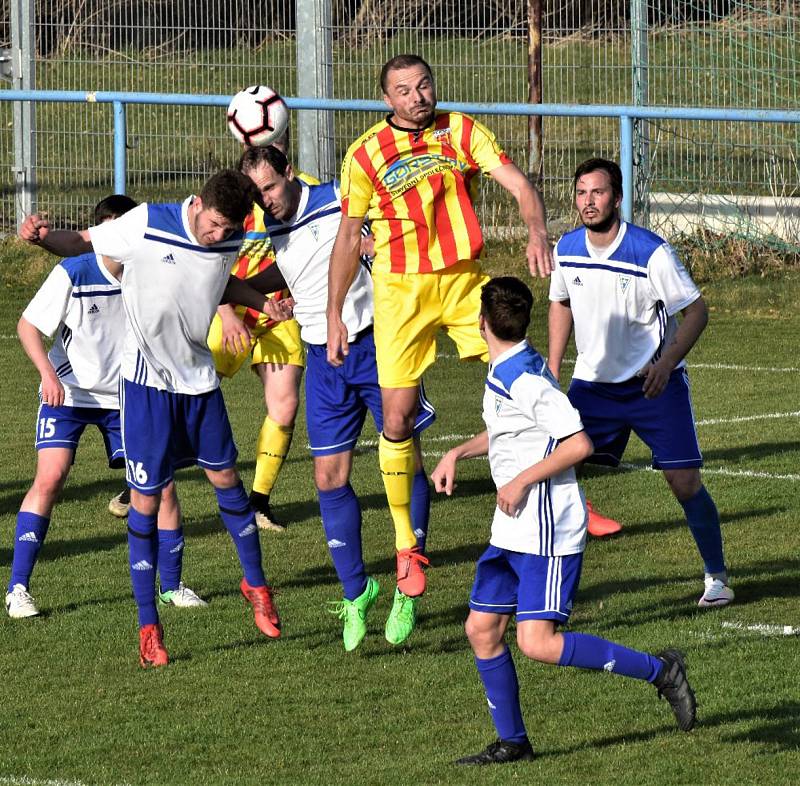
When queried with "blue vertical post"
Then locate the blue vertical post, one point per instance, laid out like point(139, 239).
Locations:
point(626, 165)
point(120, 148)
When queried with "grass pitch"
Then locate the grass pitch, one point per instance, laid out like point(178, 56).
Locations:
point(235, 708)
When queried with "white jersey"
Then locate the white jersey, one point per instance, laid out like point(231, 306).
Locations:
point(623, 300)
point(526, 414)
point(80, 303)
point(303, 246)
point(171, 287)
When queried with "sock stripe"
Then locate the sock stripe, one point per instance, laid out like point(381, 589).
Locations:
point(235, 512)
point(142, 535)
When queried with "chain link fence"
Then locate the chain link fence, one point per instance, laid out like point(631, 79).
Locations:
point(659, 52)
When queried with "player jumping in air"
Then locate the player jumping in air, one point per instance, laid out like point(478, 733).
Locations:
point(302, 222)
point(414, 175)
point(534, 439)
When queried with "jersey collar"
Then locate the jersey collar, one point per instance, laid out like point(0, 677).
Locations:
point(607, 252)
point(509, 353)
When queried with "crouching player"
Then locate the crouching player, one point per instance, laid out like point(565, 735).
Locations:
point(533, 563)
point(177, 260)
point(80, 305)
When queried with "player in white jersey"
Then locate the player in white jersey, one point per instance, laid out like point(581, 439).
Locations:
point(302, 222)
point(80, 305)
point(534, 439)
point(621, 286)
point(175, 262)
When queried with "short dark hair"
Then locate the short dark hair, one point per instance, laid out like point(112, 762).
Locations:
point(402, 61)
point(506, 304)
point(595, 164)
point(253, 157)
point(112, 206)
point(231, 194)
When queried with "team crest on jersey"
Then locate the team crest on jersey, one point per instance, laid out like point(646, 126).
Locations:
point(442, 135)
point(314, 231)
point(624, 283)
point(405, 173)
point(498, 404)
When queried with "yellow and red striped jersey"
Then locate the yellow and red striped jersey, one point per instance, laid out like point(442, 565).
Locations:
point(256, 254)
point(417, 187)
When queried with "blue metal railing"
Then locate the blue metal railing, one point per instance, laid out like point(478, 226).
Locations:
point(626, 115)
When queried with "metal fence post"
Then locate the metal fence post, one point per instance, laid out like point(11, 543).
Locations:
point(641, 131)
point(315, 80)
point(120, 148)
point(23, 46)
point(626, 165)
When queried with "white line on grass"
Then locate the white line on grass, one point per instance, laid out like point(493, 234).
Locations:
point(765, 630)
point(704, 366)
point(24, 780)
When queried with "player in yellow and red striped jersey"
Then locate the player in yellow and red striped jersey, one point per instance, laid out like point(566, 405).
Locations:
point(276, 355)
point(414, 175)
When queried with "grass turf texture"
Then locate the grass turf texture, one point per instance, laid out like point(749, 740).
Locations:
point(233, 707)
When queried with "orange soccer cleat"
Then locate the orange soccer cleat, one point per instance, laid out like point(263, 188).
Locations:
point(266, 615)
point(600, 526)
point(151, 646)
point(410, 575)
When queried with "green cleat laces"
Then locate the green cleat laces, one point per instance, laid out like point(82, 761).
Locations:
point(354, 614)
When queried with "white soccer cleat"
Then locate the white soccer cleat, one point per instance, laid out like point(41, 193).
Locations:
point(182, 598)
point(120, 505)
point(20, 603)
point(717, 593)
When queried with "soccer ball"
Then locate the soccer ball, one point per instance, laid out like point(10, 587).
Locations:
point(257, 116)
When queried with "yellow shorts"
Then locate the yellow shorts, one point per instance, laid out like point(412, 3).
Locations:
point(410, 308)
point(277, 344)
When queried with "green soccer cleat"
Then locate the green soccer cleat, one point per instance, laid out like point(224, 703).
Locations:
point(354, 614)
point(402, 618)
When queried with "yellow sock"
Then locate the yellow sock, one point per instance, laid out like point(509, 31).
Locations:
point(271, 449)
point(396, 460)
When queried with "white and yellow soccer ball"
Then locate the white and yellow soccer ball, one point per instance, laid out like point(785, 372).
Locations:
point(257, 116)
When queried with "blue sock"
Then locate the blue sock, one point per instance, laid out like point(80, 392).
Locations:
point(170, 558)
point(28, 538)
point(703, 520)
point(143, 559)
point(420, 508)
point(240, 521)
point(590, 652)
point(341, 521)
point(502, 693)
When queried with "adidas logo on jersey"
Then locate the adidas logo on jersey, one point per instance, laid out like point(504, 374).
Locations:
point(248, 530)
point(577, 281)
point(94, 309)
point(28, 537)
point(142, 564)
point(335, 544)
point(169, 259)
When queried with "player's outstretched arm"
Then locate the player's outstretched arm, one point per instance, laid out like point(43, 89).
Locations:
point(444, 475)
point(268, 281)
point(239, 291)
point(532, 210)
point(559, 327)
point(341, 272)
point(36, 229)
point(570, 451)
point(32, 343)
point(656, 375)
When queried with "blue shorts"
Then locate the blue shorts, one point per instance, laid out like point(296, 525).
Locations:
point(528, 585)
point(62, 427)
point(165, 431)
point(337, 399)
point(665, 424)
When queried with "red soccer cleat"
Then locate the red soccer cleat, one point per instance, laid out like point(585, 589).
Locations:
point(410, 575)
point(151, 647)
point(266, 615)
point(600, 526)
